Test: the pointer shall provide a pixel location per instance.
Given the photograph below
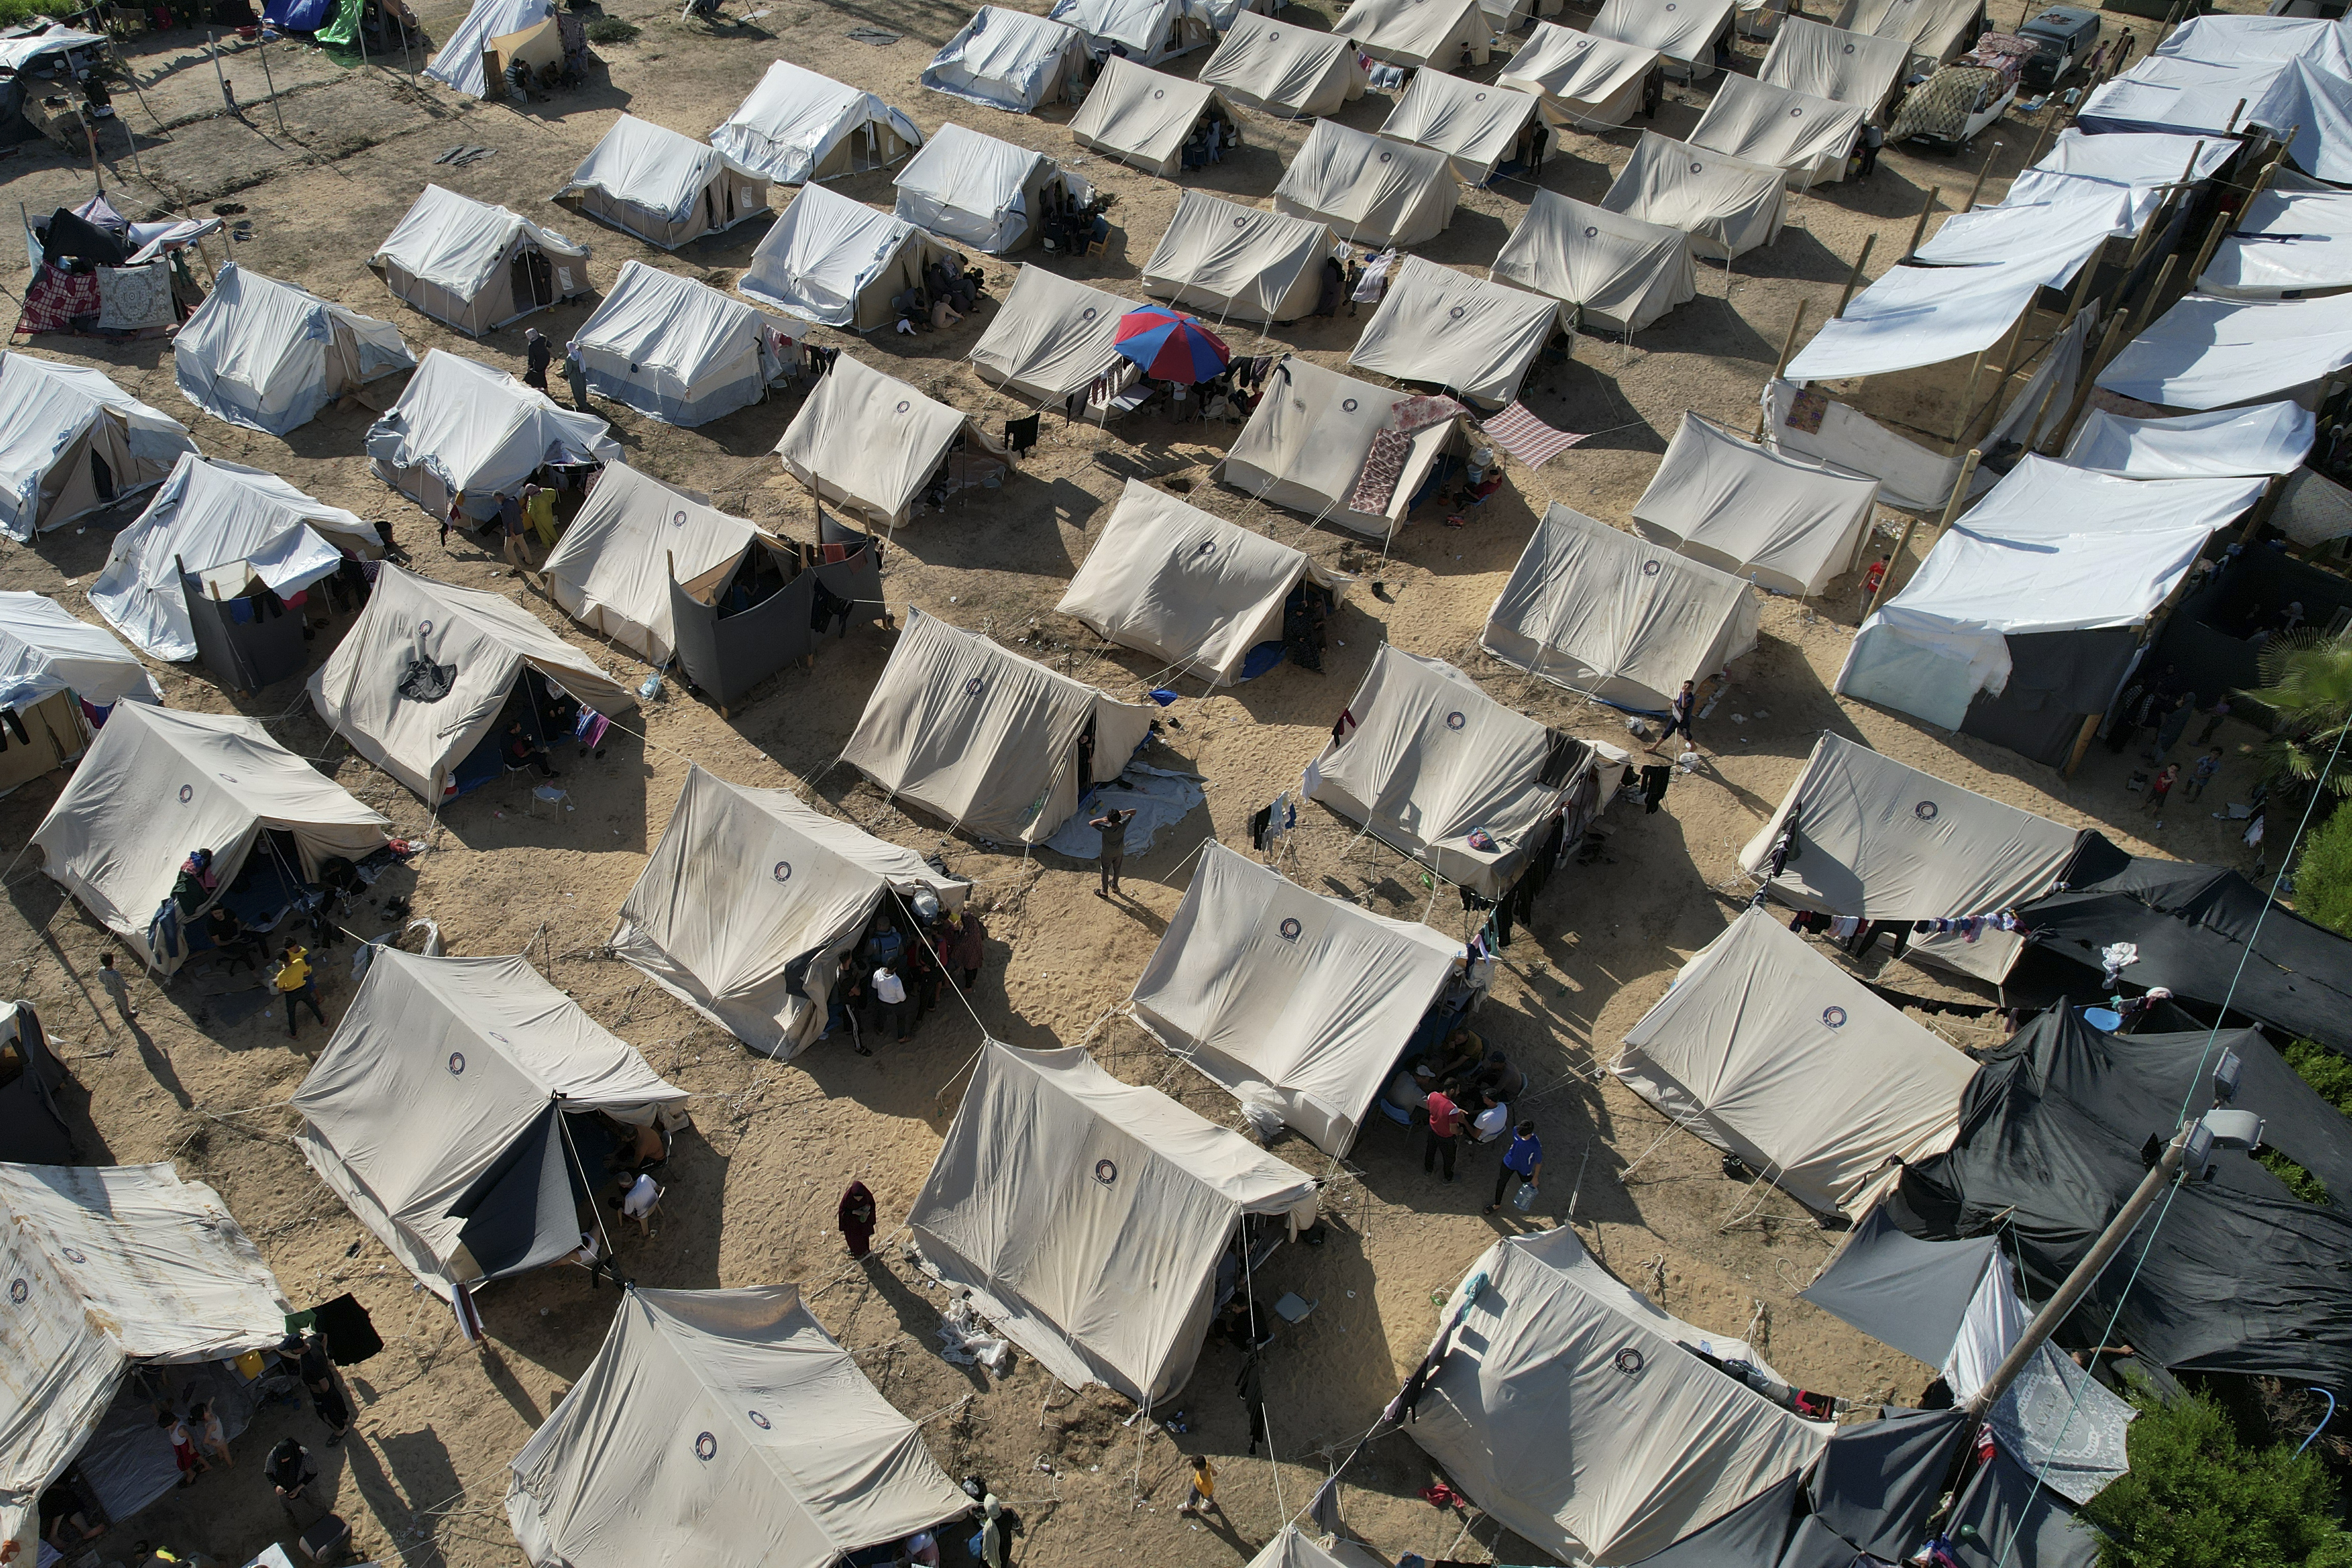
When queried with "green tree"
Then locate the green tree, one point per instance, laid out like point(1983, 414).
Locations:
point(2307, 683)
point(2198, 1498)
point(2322, 874)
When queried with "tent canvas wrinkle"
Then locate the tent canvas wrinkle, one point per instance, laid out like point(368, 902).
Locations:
point(1370, 190)
point(1619, 272)
point(2265, 438)
point(477, 430)
point(1004, 60)
point(1140, 115)
point(795, 122)
point(1051, 337)
point(1915, 316)
point(2284, 242)
point(824, 257)
point(1473, 337)
point(1583, 80)
point(1791, 524)
point(1309, 440)
point(678, 349)
point(1474, 125)
point(1806, 136)
point(46, 649)
point(613, 567)
point(456, 243)
point(270, 356)
point(459, 62)
point(1285, 69)
point(1727, 206)
point(976, 190)
point(1242, 262)
point(650, 167)
point(1683, 31)
point(46, 408)
point(1858, 69)
point(873, 442)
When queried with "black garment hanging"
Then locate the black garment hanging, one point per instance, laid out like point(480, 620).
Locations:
point(1259, 820)
point(1021, 435)
point(1655, 778)
point(825, 607)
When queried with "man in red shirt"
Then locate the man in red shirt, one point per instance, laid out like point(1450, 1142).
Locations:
point(1445, 1126)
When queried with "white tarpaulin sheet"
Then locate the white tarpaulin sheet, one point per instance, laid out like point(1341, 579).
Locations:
point(641, 165)
point(749, 898)
point(480, 431)
point(1915, 316)
point(2267, 438)
point(1790, 523)
point(470, 644)
point(1884, 841)
point(1474, 338)
point(2206, 352)
point(438, 1069)
point(270, 356)
point(1812, 425)
point(460, 62)
point(633, 536)
point(456, 243)
point(1371, 191)
point(1307, 441)
point(1683, 32)
point(1432, 763)
point(1284, 69)
point(1186, 586)
point(1619, 272)
point(1085, 1216)
point(2055, 1419)
point(794, 126)
point(2171, 92)
point(1159, 798)
point(825, 254)
point(1599, 610)
point(1567, 1407)
point(157, 784)
point(1051, 337)
point(1005, 60)
point(1239, 262)
point(2067, 223)
point(1474, 125)
point(2284, 241)
point(1141, 116)
point(2229, 39)
point(985, 738)
point(45, 651)
point(53, 418)
point(2049, 549)
point(1770, 1052)
point(680, 350)
point(1726, 206)
point(760, 1435)
point(1288, 998)
point(2144, 161)
point(1859, 69)
point(872, 442)
point(974, 189)
point(1584, 81)
point(1804, 136)
point(230, 526)
point(1451, 34)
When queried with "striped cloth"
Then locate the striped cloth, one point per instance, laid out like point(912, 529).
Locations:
point(1527, 438)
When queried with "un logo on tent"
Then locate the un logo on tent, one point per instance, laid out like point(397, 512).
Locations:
point(1591, 231)
point(1158, 93)
point(784, 872)
point(424, 628)
point(1290, 930)
point(1477, 98)
point(1650, 568)
point(759, 1420)
point(74, 1255)
point(1628, 1360)
point(1207, 547)
point(1347, 406)
point(1386, 157)
point(678, 519)
point(1698, 168)
point(1833, 1016)
point(187, 793)
point(1796, 114)
point(705, 1447)
point(1458, 313)
point(1087, 314)
point(974, 687)
point(1455, 719)
point(1849, 48)
point(904, 406)
point(1106, 1172)
point(1924, 811)
point(1241, 223)
point(19, 1291)
point(456, 1064)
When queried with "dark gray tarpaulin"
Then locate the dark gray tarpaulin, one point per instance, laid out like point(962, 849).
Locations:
point(2240, 1278)
point(1900, 1290)
point(1877, 1483)
point(2056, 679)
point(2009, 1523)
point(2192, 925)
point(1754, 1532)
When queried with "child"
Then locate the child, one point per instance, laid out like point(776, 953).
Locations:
point(2159, 787)
point(183, 1447)
point(1203, 1494)
point(1874, 577)
point(116, 987)
point(2207, 766)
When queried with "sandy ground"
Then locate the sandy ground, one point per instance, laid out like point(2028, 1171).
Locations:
point(754, 1186)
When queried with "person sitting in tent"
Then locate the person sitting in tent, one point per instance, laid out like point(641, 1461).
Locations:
point(947, 281)
point(64, 1525)
point(524, 751)
point(1459, 1058)
point(195, 885)
point(944, 315)
point(231, 940)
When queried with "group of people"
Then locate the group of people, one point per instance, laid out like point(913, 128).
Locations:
point(1070, 224)
point(1464, 1089)
point(890, 979)
point(1213, 135)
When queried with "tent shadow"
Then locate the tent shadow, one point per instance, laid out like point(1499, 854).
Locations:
point(506, 815)
point(1471, 240)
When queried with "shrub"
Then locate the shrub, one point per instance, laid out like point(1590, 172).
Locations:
point(2198, 1498)
point(2323, 875)
point(603, 30)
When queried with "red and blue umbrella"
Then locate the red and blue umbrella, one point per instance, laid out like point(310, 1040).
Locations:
point(1169, 346)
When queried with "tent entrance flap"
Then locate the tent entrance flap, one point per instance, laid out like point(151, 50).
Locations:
point(526, 1203)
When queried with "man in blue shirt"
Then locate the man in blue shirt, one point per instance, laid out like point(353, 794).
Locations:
point(1523, 1159)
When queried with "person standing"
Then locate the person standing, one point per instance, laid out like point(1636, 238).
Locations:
point(2214, 718)
point(1539, 139)
point(2124, 51)
point(1873, 139)
point(575, 375)
point(1251, 1386)
point(889, 1005)
point(1444, 1129)
point(538, 353)
point(211, 1438)
point(2173, 725)
point(1678, 717)
point(183, 1447)
point(1112, 825)
point(856, 1216)
point(2159, 789)
point(290, 1472)
point(317, 1375)
point(964, 944)
point(116, 987)
point(1523, 1159)
point(297, 985)
point(454, 518)
point(2203, 772)
point(511, 527)
point(1203, 1495)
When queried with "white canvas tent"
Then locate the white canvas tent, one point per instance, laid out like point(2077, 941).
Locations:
point(1242, 263)
point(48, 659)
point(1085, 1216)
point(797, 126)
point(1142, 116)
point(1305, 443)
point(662, 186)
point(872, 443)
point(1474, 125)
point(159, 783)
point(1285, 71)
point(230, 527)
point(681, 351)
point(1805, 137)
point(1934, 30)
point(2284, 242)
point(462, 429)
point(478, 267)
point(974, 190)
point(1188, 587)
point(1451, 35)
point(1585, 81)
point(1051, 337)
point(631, 539)
point(1879, 840)
point(760, 1434)
point(2049, 549)
point(1859, 69)
point(1370, 190)
point(459, 63)
point(988, 740)
point(1431, 760)
point(1570, 1407)
point(111, 1267)
point(1785, 520)
point(1620, 273)
point(1444, 328)
point(1602, 612)
point(1683, 33)
point(1007, 59)
point(1729, 207)
point(1146, 31)
point(1299, 1004)
point(422, 678)
point(438, 1114)
point(270, 356)
point(1769, 1051)
point(836, 262)
point(2206, 352)
point(71, 441)
point(749, 897)
point(2262, 438)
point(1812, 425)
point(1291, 1549)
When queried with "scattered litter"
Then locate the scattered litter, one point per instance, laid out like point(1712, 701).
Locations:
point(1739, 717)
point(970, 1343)
point(880, 37)
point(457, 157)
